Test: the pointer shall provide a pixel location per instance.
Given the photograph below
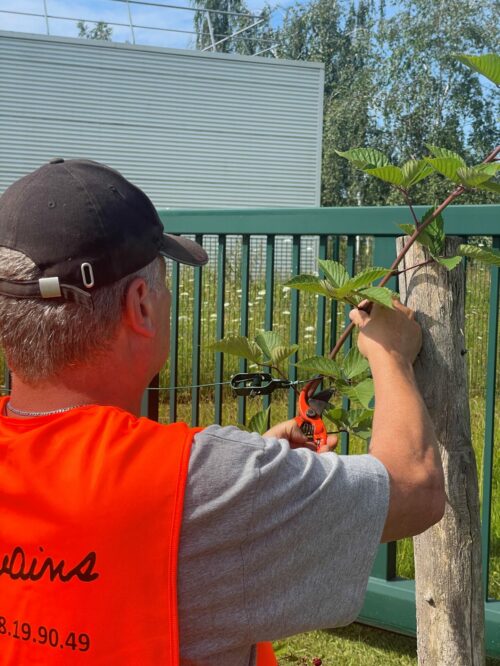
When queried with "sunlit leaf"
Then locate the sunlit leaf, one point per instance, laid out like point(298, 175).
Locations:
point(321, 365)
point(311, 284)
point(364, 279)
point(445, 152)
point(362, 392)
point(239, 346)
point(360, 422)
point(280, 354)
point(409, 229)
point(414, 171)
point(354, 363)
point(259, 422)
point(433, 236)
point(486, 255)
point(447, 166)
point(389, 174)
point(364, 158)
point(380, 295)
point(473, 176)
point(267, 341)
point(335, 272)
point(338, 416)
point(490, 186)
point(449, 262)
point(488, 65)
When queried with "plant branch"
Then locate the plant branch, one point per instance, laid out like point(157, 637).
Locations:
point(410, 205)
point(366, 305)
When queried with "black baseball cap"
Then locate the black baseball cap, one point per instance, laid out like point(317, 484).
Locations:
point(85, 226)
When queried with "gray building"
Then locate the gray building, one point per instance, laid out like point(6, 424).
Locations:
point(195, 130)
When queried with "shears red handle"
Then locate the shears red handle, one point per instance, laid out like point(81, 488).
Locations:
point(310, 421)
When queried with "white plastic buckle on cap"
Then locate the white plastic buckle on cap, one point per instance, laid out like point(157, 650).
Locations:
point(49, 287)
point(87, 274)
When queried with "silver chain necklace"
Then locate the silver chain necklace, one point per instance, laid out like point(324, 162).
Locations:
point(21, 412)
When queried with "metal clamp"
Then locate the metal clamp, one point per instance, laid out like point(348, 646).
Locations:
point(256, 383)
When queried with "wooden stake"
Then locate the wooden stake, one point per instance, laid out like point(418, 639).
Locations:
point(449, 597)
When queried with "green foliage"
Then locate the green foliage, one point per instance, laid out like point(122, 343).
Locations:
point(101, 30)
point(222, 25)
point(488, 256)
point(375, 163)
point(340, 287)
point(488, 65)
point(240, 346)
point(356, 421)
point(267, 349)
point(453, 167)
point(321, 365)
point(258, 423)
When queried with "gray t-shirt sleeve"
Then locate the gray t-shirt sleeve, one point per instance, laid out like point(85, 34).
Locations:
point(274, 541)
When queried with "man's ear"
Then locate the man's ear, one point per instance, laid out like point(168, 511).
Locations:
point(139, 311)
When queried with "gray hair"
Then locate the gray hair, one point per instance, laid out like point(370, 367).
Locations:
point(40, 338)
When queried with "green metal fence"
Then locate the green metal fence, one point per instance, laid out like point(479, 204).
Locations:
point(242, 290)
point(252, 253)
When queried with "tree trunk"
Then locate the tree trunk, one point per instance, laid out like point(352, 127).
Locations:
point(449, 597)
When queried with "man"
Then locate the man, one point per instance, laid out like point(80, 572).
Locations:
point(118, 535)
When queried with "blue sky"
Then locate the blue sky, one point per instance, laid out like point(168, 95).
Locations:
point(112, 11)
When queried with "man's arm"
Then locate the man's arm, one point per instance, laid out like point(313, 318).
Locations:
point(403, 437)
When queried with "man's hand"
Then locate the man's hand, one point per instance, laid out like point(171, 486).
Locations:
point(290, 430)
point(394, 331)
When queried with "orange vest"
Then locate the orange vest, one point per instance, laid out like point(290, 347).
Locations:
point(90, 516)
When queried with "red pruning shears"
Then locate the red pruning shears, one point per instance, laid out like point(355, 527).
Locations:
point(309, 418)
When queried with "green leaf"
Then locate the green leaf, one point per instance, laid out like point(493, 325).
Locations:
point(354, 363)
point(485, 255)
point(338, 416)
point(310, 283)
point(335, 273)
point(267, 341)
point(380, 295)
point(448, 262)
point(389, 174)
point(447, 166)
point(433, 236)
point(414, 171)
point(322, 366)
point(409, 229)
point(362, 392)
point(363, 279)
point(444, 152)
point(259, 422)
point(360, 422)
point(490, 186)
point(280, 354)
point(473, 176)
point(488, 65)
point(239, 346)
point(364, 158)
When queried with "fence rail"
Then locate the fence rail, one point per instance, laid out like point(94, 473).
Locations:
point(253, 252)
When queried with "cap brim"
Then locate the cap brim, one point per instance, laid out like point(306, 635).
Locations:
point(183, 250)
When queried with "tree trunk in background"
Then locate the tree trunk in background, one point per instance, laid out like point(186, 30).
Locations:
point(449, 597)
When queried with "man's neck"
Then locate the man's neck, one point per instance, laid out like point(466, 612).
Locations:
point(75, 388)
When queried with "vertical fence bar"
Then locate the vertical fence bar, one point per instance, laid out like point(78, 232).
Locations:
point(350, 262)
point(489, 431)
point(321, 313)
point(174, 343)
point(384, 566)
point(245, 280)
point(268, 316)
point(195, 360)
point(294, 325)
point(334, 307)
point(219, 357)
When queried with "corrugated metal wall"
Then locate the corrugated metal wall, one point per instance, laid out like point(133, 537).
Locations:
point(193, 130)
